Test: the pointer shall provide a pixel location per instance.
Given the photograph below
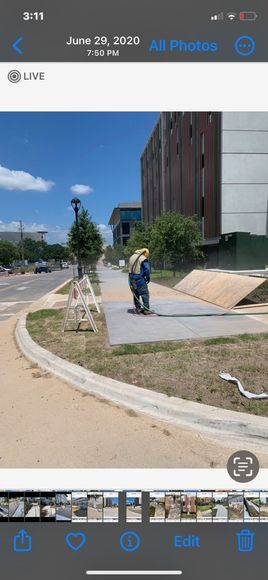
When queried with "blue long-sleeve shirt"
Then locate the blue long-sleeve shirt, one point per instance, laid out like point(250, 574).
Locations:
point(145, 270)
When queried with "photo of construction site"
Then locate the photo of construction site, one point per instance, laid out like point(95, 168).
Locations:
point(32, 508)
point(3, 507)
point(220, 506)
point(95, 507)
point(188, 506)
point(173, 507)
point(110, 506)
point(204, 506)
point(48, 507)
point(157, 506)
point(235, 506)
point(63, 507)
point(134, 277)
point(79, 506)
point(134, 507)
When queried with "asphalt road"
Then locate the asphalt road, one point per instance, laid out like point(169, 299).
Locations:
point(18, 291)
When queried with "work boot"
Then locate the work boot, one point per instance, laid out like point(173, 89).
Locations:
point(148, 312)
point(138, 311)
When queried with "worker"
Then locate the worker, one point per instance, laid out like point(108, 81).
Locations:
point(139, 278)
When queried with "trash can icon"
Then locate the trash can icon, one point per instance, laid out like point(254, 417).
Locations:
point(245, 541)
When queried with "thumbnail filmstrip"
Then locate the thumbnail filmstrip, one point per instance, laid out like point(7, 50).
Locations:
point(168, 506)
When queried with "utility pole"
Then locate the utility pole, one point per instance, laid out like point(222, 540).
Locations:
point(21, 228)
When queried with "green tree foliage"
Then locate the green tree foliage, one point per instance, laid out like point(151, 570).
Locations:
point(91, 242)
point(55, 252)
point(33, 249)
point(113, 254)
point(140, 238)
point(175, 240)
point(8, 252)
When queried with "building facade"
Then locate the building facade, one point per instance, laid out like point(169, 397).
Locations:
point(210, 165)
point(15, 237)
point(123, 220)
point(180, 169)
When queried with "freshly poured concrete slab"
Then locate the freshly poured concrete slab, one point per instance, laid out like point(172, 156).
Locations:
point(124, 327)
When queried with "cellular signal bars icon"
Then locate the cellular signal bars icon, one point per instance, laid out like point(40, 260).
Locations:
point(219, 16)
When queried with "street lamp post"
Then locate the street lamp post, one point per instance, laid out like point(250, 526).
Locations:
point(76, 204)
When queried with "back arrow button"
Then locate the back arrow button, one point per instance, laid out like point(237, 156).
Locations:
point(15, 45)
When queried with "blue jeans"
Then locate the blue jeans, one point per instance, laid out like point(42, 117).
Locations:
point(140, 291)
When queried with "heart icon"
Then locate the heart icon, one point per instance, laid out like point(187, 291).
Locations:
point(75, 541)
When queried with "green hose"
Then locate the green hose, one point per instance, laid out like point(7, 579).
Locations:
point(183, 315)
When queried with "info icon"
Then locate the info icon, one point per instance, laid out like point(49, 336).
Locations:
point(243, 466)
point(130, 541)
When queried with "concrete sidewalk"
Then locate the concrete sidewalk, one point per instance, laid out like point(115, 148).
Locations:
point(124, 327)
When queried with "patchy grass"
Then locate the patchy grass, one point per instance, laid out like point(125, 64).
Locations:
point(186, 369)
point(40, 314)
point(167, 278)
point(94, 281)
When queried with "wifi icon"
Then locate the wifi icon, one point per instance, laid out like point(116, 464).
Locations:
point(231, 15)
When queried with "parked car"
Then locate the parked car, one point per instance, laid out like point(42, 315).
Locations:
point(64, 265)
point(5, 271)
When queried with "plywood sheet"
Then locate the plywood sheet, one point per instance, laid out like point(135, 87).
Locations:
point(220, 288)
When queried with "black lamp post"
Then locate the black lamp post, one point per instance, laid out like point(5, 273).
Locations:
point(76, 204)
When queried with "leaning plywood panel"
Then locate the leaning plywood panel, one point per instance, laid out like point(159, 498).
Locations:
point(225, 290)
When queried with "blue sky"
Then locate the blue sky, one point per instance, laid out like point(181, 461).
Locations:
point(48, 158)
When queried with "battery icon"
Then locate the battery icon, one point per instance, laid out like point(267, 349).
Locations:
point(248, 16)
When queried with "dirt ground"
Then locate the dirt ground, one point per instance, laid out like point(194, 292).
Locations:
point(47, 423)
point(187, 369)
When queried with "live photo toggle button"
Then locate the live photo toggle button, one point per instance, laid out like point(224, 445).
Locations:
point(190, 541)
point(22, 542)
point(15, 76)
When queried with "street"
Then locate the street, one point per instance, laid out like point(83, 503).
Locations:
point(19, 291)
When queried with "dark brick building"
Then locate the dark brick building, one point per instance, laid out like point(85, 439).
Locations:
point(180, 169)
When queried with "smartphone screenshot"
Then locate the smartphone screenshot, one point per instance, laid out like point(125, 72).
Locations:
point(133, 289)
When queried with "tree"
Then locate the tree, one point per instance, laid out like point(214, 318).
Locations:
point(55, 252)
point(175, 240)
point(140, 238)
point(91, 242)
point(8, 252)
point(33, 250)
point(114, 253)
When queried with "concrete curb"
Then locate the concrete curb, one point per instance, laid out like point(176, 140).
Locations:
point(247, 431)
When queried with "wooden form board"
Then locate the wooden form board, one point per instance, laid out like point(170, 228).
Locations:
point(219, 288)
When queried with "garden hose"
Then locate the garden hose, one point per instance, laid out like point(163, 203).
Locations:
point(184, 315)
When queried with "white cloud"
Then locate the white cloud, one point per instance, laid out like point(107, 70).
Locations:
point(12, 180)
point(80, 189)
point(106, 233)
